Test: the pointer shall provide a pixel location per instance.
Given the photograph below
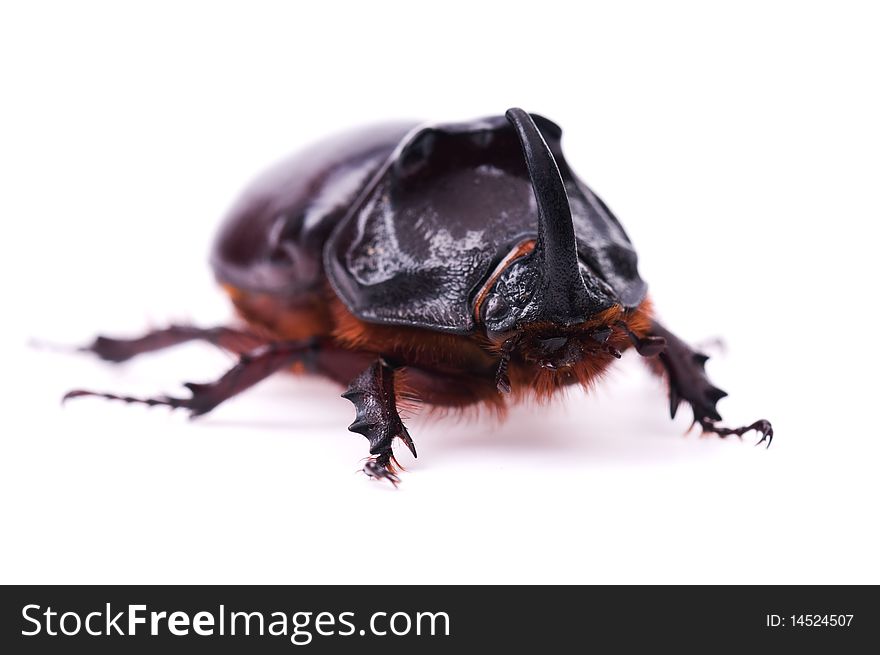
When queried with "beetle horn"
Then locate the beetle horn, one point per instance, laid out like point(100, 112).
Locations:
point(561, 296)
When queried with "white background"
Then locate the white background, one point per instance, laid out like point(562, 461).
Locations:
point(739, 146)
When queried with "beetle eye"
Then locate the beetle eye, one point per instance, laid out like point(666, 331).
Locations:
point(496, 308)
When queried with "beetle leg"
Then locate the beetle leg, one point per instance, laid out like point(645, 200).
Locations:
point(252, 367)
point(120, 350)
point(685, 370)
point(372, 393)
point(646, 346)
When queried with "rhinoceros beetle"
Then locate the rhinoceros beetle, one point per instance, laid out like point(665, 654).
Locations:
point(451, 265)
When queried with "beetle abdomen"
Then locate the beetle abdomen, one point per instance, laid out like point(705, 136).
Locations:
point(271, 240)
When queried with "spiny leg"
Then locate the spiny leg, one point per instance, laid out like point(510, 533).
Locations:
point(252, 367)
point(372, 393)
point(685, 370)
point(120, 350)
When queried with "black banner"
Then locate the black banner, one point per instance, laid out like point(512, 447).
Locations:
point(114, 619)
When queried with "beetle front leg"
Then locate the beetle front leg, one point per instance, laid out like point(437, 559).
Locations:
point(373, 395)
point(685, 370)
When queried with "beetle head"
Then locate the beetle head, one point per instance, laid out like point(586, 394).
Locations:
point(517, 300)
point(549, 285)
point(576, 353)
point(562, 350)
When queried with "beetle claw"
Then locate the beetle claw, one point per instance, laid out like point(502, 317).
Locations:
point(763, 427)
point(376, 470)
point(766, 430)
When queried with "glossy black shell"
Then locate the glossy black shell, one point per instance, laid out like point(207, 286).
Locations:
point(272, 238)
point(411, 222)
